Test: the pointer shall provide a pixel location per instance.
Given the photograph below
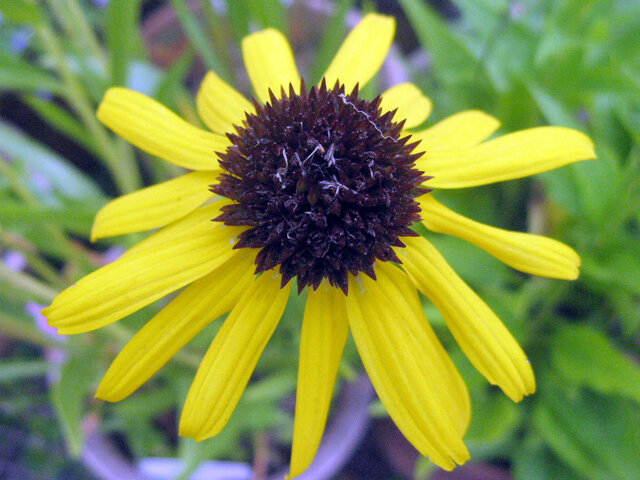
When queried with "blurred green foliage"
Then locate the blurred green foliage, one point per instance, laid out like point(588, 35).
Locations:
point(561, 62)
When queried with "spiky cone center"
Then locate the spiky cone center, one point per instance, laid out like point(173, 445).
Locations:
point(323, 181)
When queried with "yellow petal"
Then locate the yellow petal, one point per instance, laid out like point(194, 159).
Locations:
point(153, 207)
point(220, 105)
point(232, 357)
point(529, 253)
point(404, 366)
point(456, 396)
point(190, 224)
point(412, 105)
point(175, 325)
point(270, 63)
point(362, 53)
point(324, 333)
point(155, 129)
point(139, 278)
point(461, 130)
point(511, 156)
point(478, 331)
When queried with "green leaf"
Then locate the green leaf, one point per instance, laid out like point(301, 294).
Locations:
point(534, 461)
point(332, 37)
point(23, 11)
point(16, 74)
point(74, 217)
point(494, 421)
point(586, 357)
point(617, 265)
point(197, 36)
point(596, 435)
point(15, 370)
point(61, 119)
point(269, 13)
point(121, 30)
point(13, 326)
point(34, 157)
point(68, 397)
point(452, 59)
point(239, 15)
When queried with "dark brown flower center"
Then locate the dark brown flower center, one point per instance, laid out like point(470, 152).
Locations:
point(324, 182)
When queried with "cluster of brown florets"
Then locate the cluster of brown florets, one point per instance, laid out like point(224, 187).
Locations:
point(324, 182)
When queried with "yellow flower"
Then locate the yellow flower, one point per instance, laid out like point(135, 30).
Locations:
point(321, 186)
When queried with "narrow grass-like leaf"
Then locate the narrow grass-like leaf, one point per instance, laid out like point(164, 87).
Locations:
point(61, 119)
point(23, 11)
point(121, 29)
point(37, 158)
point(75, 217)
point(16, 370)
point(334, 34)
point(270, 13)
point(200, 41)
point(68, 396)
point(16, 74)
point(239, 15)
point(452, 59)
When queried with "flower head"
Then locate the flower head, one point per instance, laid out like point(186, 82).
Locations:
point(319, 185)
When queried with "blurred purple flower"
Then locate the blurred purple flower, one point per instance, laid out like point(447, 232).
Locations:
point(14, 260)
point(34, 309)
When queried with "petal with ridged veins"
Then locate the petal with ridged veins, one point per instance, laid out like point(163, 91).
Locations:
point(479, 332)
point(324, 333)
point(404, 367)
point(270, 63)
point(534, 254)
point(460, 130)
point(412, 106)
point(175, 325)
point(220, 105)
point(154, 128)
point(515, 155)
point(362, 53)
point(154, 206)
point(228, 364)
point(139, 278)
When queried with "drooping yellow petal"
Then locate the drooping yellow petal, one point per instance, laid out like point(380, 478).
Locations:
point(220, 105)
point(461, 130)
point(412, 105)
point(155, 129)
point(153, 207)
point(270, 64)
point(324, 333)
point(362, 53)
point(456, 396)
point(404, 366)
point(515, 155)
point(529, 253)
point(175, 325)
point(139, 278)
point(231, 358)
point(478, 331)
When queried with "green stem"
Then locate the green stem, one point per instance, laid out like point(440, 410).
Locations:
point(27, 283)
point(219, 39)
point(57, 234)
point(15, 328)
point(74, 21)
point(41, 267)
point(124, 171)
